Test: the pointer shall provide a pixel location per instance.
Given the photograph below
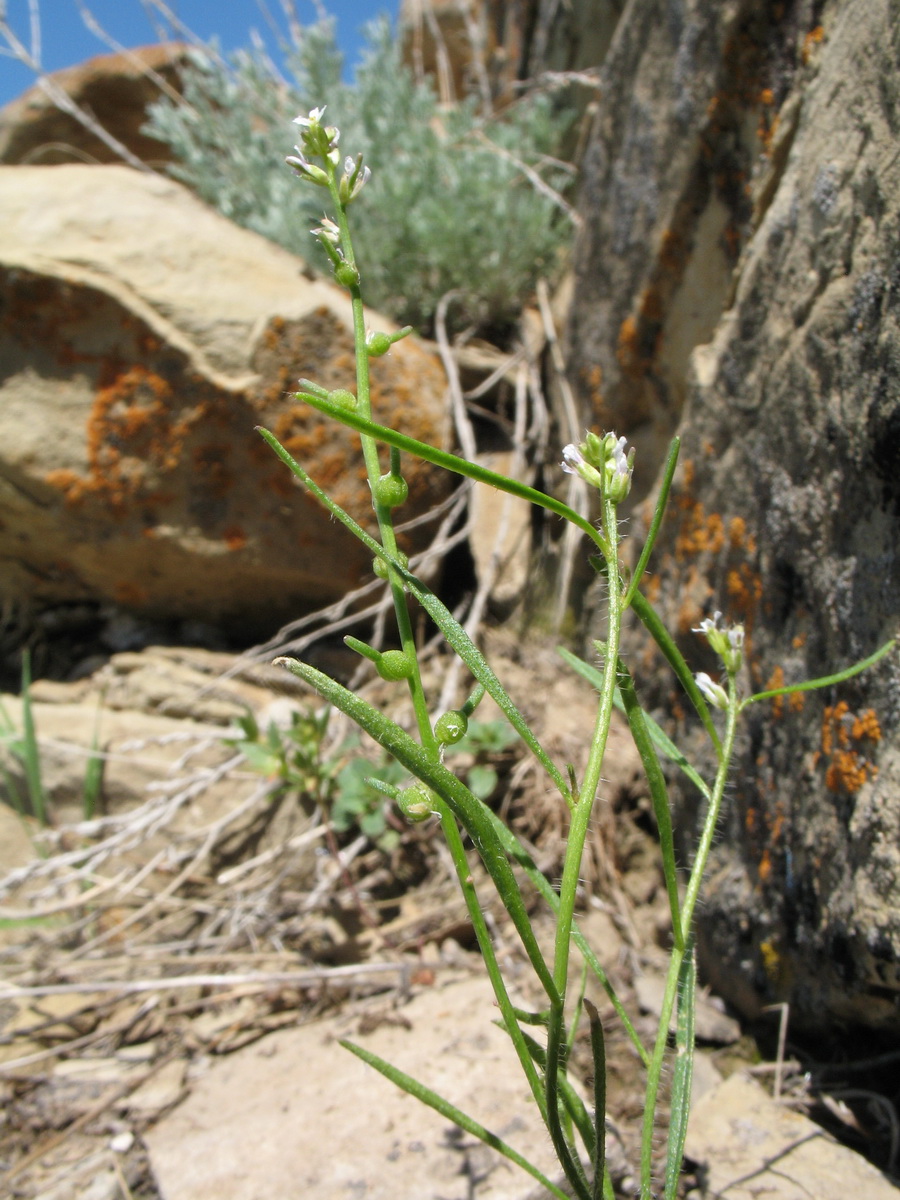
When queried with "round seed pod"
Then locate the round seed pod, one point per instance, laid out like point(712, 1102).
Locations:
point(341, 398)
point(415, 803)
point(377, 344)
point(394, 664)
point(390, 491)
point(346, 275)
point(451, 727)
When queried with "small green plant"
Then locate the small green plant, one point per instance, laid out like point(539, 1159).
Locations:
point(359, 799)
point(474, 221)
point(542, 1037)
point(345, 785)
point(24, 748)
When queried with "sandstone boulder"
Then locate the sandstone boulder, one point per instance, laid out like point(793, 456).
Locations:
point(114, 89)
point(742, 197)
point(143, 338)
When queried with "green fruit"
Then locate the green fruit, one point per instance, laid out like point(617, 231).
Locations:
point(394, 664)
point(415, 803)
point(451, 727)
point(390, 491)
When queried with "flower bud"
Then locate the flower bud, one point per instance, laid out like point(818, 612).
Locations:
point(714, 692)
point(727, 641)
point(603, 463)
point(451, 727)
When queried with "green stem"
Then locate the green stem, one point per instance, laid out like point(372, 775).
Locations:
point(383, 515)
point(578, 828)
point(677, 956)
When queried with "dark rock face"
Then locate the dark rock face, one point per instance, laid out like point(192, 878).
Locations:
point(739, 281)
point(116, 89)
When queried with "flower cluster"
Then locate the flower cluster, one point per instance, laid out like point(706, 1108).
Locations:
point(726, 640)
point(603, 463)
point(321, 141)
point(728, 643)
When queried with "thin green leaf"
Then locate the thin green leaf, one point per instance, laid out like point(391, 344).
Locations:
point(451, 462)
point(572, 1103)
point(598, 1051)
point(658, 794)
point(469, 811)
point(682, 1074)
point(519, 854)
point(811, 685)
point(658, 514)
point(456, 636)
point(31, 754)
point(660, 739)
point(426, 1096)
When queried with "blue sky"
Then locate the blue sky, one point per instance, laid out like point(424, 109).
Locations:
point(65, 41)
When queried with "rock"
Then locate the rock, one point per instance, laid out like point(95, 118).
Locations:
point(492, 45)
point(781, 191)
point(144, 338)
point(268, 1120)
point(141, 711)
point(710, 1023)
point(750, 1146)
point(653, 266)
point(115, 89)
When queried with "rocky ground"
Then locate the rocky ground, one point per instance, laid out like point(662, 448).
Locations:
point(178, 967)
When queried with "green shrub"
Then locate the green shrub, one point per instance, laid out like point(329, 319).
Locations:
point(446, 208)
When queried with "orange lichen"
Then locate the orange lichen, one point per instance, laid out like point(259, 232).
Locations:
point(699, 533)
point(866, 726)
point(848, 767)
point(130, 436)
point(744, 587)
point(775, 681)
point(812, 39)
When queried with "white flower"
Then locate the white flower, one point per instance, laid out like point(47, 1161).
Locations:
point(714, 692)
point(328, 231)
point(575, 463)
point(314, 118)
point(306, 169)
point(354, 179)
point(726, 641)
point(709, 625)
point(572, 459)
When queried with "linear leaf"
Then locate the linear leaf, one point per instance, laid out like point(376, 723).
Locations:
point(469, 811)
point(811, 685)
point(456, 636)
point(682, 1074)
point(451, 1112)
